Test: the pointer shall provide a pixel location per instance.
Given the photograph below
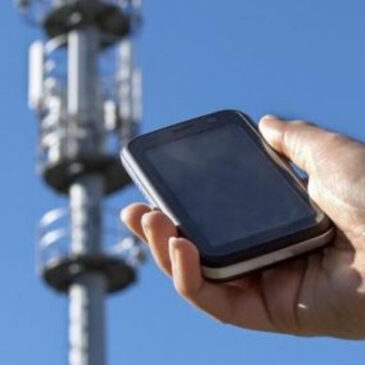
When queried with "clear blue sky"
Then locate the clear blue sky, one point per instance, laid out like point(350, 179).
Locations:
point(294, 58)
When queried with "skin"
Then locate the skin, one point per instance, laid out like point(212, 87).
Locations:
point(322, 294)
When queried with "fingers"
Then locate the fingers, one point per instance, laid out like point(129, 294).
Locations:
point(189, 283)
point(153, 227)
point(301, 142)
point(241, 306)
point(131, 217)
point(158, 228)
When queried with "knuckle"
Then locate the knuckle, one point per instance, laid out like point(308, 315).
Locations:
point(292, 137)
point(333, 142)
point(292, 130)
point(337, 138)
point(287, 140)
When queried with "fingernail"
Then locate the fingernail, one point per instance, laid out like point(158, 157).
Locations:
point(144, 222)
point(172, 249)
point(268, 117)
point(123, 215)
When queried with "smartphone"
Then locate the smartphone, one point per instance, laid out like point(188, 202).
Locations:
point(229, 192)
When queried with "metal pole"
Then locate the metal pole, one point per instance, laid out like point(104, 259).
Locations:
point(87, 322)
point(86, 337)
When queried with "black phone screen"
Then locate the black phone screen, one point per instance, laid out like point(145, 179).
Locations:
point(229, 186)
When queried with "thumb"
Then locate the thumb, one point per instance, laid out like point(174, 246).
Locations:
point(301, 142)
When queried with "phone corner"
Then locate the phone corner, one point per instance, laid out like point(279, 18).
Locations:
point(231, 111)
point(127, 148)
point(323, 222)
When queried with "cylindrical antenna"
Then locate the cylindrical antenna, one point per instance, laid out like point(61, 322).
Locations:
point(36, 75)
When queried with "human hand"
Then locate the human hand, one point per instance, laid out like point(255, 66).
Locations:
point(322, 294)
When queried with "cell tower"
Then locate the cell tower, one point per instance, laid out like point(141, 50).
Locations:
point(87, 107)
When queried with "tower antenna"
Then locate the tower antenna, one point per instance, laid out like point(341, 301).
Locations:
point(86, 111)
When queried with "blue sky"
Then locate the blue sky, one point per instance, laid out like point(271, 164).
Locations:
point(293, 58)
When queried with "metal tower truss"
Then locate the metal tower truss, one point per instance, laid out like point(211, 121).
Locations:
point(87, 109)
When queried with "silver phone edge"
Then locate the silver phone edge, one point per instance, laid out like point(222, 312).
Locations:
point(245, 267)
point(146, 188)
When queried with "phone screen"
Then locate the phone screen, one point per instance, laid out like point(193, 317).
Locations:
point(229, 186)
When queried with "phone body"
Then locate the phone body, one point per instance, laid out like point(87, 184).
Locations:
point(229, 192)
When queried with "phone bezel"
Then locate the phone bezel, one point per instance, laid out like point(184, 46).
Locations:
point(233, 252)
